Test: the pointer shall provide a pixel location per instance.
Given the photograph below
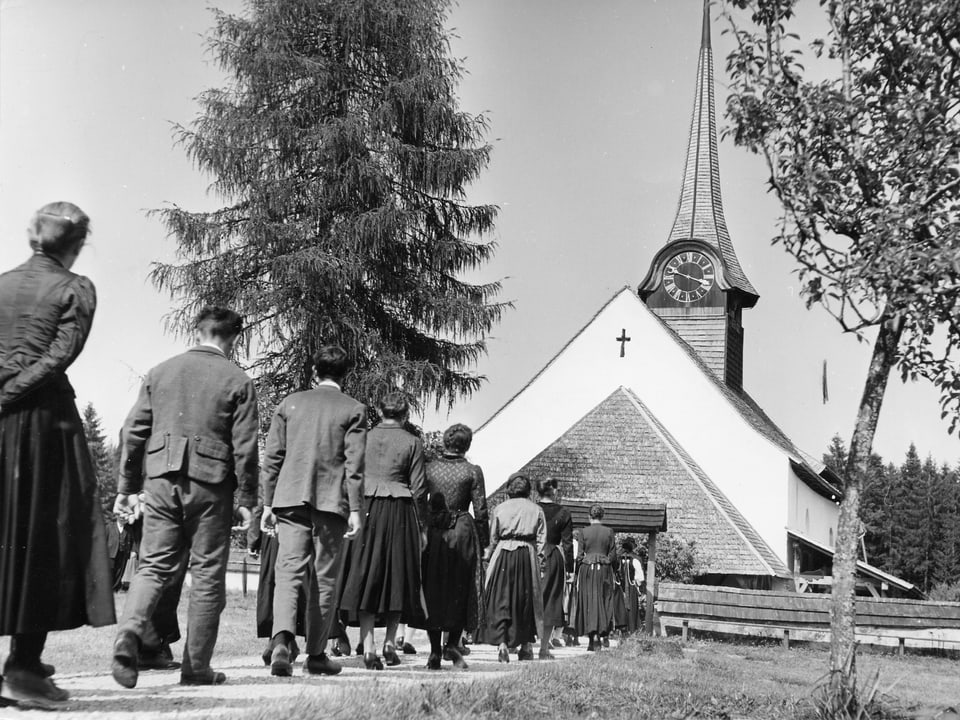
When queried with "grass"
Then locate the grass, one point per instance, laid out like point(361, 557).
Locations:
point(646, 678)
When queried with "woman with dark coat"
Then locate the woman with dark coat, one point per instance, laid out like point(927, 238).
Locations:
point(452, 568)
point(380, 584)
point(594, 610)
point(557, 561)
point(55, 573)
point(513, 595)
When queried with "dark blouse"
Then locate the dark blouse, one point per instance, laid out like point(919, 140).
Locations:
point(461, 483)
point(559, 530)
point(45, 317)
point(598, 545)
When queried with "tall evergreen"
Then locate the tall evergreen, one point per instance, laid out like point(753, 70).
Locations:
point(342, 159)
point(103, 455)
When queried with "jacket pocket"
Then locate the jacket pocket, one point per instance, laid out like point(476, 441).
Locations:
point(210, 460)
point(165, 454)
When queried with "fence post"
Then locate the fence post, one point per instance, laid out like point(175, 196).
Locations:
point(786, 639)
point(651, 583)
point(901, 646)
point(683, 629)
point(243, 575)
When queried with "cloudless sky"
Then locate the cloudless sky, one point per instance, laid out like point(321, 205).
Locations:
point(589, 105)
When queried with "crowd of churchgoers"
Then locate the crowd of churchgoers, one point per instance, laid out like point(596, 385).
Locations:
point(359, 531)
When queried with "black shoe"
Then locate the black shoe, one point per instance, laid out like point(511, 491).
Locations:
point(606, 641)
point(126, 652)
point(372, 662)
point(454, 656)
point(433, 662)
point(464, 649)
point(321, 665)
point(211, 678)
point(359, 649)
point(30, 690)
point(280, 664)
point(406, 648)
point(503, 655)
point(591, 646)
point(390, 656)
point(525, 654)
point(556, 643)
point(160, 658)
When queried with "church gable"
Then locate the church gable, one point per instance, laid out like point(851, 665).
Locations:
point(619, 452)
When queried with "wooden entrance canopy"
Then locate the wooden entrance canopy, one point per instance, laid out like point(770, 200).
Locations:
point(629, 518)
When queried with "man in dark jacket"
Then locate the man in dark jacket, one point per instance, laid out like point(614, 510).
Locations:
point(196, 420)
point(312, 491)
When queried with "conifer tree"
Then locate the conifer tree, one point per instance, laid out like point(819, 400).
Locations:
point(103, 455)
point(342, 158)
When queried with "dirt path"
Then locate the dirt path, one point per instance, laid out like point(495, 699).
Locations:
point(158, 695)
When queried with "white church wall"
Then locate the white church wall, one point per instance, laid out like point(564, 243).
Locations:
point(811, 514)
point(748, 468)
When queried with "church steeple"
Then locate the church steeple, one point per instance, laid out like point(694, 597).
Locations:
point(695, 282)
point(700, 211)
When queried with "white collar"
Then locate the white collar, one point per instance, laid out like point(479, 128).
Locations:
point(327, 382)
point(215, 347)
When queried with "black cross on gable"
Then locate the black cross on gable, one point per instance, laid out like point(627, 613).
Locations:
point(623, 340)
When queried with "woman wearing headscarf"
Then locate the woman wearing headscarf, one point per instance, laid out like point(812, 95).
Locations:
point(55, 573)
point(513, 595)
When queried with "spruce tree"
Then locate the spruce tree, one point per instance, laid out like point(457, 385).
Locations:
point(342, 159)
point(103, 455)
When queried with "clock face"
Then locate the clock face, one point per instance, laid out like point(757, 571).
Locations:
point(688, 276)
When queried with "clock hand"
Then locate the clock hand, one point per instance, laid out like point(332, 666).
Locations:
point(691, 277)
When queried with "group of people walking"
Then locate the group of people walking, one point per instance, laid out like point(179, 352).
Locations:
point(367, 533)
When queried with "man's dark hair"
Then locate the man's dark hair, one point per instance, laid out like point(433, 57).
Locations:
point(518, 486)
point(331, 362)
point(219, 322)
point(394, 406)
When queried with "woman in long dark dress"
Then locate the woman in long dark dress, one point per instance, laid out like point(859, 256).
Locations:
point(55, 573)
point(630, 576)
point(593, 611)
point(452, 570)
point(381, 576)
point(513, 595)
point(557, 561)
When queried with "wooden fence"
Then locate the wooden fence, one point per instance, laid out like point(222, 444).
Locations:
point(806, 617)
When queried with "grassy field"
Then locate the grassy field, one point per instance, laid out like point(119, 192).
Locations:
point(659, 678)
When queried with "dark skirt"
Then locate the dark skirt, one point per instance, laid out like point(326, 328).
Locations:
point(267, 583)
point(593, 607)
point(381, 568)
point(54, 570)
point(511, 616)
point(453, 577)
point(554, 581)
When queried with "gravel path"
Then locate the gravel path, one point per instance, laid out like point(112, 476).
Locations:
point(158, 696)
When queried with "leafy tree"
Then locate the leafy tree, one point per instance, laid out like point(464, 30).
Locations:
point(863, 150)
point(104, 457)
point(342, 158)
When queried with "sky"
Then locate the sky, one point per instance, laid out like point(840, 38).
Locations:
point(589, 105)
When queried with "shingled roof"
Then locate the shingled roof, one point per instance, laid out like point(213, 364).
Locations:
point(620, 452)
point(700, 210)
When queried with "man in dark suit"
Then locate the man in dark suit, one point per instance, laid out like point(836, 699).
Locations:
point(196, 420)
point(312, 480)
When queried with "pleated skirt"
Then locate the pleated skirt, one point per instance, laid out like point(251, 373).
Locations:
point(55, 573)
point(511, 615)
point(553, 581)
point(453, 577)
point(381, 568)
point(593, 608)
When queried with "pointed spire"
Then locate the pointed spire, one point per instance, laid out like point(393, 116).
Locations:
point(700, 211)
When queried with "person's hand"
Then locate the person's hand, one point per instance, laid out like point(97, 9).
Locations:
point(245, 518)
point(354, 525)
point(423, 540)
point(125, 506)
point(268, 521)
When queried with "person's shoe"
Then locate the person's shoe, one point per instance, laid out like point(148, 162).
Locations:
point(340, 648)
point(525, 654)
point(30, 690)
point(280, 664)
point(571, 640)
point(556, 642)
point(359, 649)
point(454, 656)
point(592, 646)
point(545, 654)
point(503, 655)
point(160, 658)
point(606, 641)
point(464, 649)
point(44, 669)
point(390, 656)
point(372, 662)
point(211, 678)
point(405, 647)
point(321, 665)
point(126, 652)
point(433, 662)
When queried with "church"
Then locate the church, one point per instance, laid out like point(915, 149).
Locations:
point(645, 405)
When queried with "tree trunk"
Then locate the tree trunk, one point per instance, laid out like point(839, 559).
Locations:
point(843, 666)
